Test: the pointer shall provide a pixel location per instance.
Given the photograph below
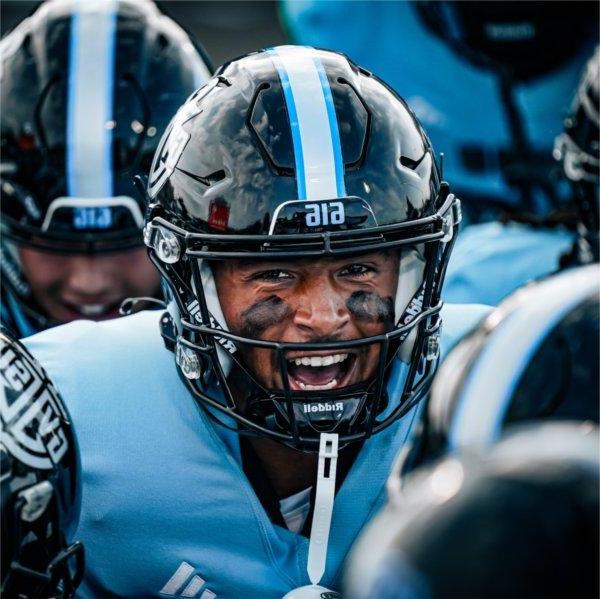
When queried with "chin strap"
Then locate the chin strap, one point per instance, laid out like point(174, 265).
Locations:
point(324, 498)
point(321, 522)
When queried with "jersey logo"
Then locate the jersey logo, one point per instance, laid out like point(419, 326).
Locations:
point(184, 583)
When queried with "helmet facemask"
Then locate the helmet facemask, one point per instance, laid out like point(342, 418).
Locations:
point(210, 356)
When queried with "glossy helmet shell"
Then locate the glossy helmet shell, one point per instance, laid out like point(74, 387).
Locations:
point(578, 149)
point(535, 357)
point(87, 90)
point(40, 483)
point(518, 520)
point(292, 152)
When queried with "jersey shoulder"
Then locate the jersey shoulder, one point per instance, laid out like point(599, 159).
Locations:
point(458, 320)
point(492, 260)
point(84, 357)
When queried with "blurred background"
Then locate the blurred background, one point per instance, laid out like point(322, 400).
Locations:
point(225, 29)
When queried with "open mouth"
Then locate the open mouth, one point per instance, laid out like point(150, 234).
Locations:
point(99, 311)
point(321, 372)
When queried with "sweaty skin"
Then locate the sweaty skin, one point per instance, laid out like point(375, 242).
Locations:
point(301, 301)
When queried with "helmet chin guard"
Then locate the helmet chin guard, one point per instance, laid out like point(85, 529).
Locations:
point(290, 193)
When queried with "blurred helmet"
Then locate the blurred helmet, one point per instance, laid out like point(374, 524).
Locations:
point(87, 89)
point(517, 43)
point(521, 521)
point(578, 149)
point(294, 153)
point(40, 485)
point(534, 357)
point(515, 37)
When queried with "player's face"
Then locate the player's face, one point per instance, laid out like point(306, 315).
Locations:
point(310, 301)
point(81, 286)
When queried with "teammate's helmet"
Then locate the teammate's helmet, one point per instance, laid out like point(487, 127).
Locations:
point(578, 148)
point(292, 153)
point(519, 522)
point(40, 487)
point(517, 38)
point(87, 89)
point(535, 357)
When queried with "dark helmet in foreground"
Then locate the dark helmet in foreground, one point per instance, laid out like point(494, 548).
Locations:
point(39, 481)
point(535, 357)
point(87, 90)
point(294, 153)
point(519, 522)
point(578, 148)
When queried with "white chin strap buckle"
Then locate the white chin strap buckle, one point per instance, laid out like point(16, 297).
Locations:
point(321, 522)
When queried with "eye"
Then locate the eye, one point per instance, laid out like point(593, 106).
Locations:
point(272, 276)
point(356, 270)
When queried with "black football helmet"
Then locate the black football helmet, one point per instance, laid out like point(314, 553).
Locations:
point(291, 153)
point(536, 357)
point(578, 149)
point(87, 89)
point(517, 38)
point(519, 521)
point(39, 479)
point(518, 43)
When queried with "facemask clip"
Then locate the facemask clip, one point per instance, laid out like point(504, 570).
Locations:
point(163, 242)
point(36, 500)
point(432, 350)
point(188, 361)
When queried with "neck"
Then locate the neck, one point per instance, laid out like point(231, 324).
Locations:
point(290, 471)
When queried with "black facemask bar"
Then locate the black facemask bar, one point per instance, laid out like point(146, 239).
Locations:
point(436, 233)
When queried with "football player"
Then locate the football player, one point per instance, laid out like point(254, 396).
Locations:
point(536, 357)
point(299, 223)
point(492, 260)
point(39, 481)
point(520, 521)
point(87, 90)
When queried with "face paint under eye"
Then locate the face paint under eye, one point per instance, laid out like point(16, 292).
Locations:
point(368, 305)
point(262, 315)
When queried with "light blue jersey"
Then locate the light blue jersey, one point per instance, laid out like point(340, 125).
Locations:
point(490, 261)
point(167, 510)
point(459, 105)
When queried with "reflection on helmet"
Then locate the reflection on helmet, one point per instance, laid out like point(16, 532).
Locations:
point(521, 521)
point(40, 485)
point(535, 357)
point(87, 90)
point(296, 153)
point(578, 148)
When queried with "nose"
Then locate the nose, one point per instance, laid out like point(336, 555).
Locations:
point(88, 277)
point(321, 309)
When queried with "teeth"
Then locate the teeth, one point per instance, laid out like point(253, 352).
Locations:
point(92, 309)
point(329, 385)
point(317, 361)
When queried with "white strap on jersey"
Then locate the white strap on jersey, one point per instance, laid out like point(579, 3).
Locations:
point(325, 495)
